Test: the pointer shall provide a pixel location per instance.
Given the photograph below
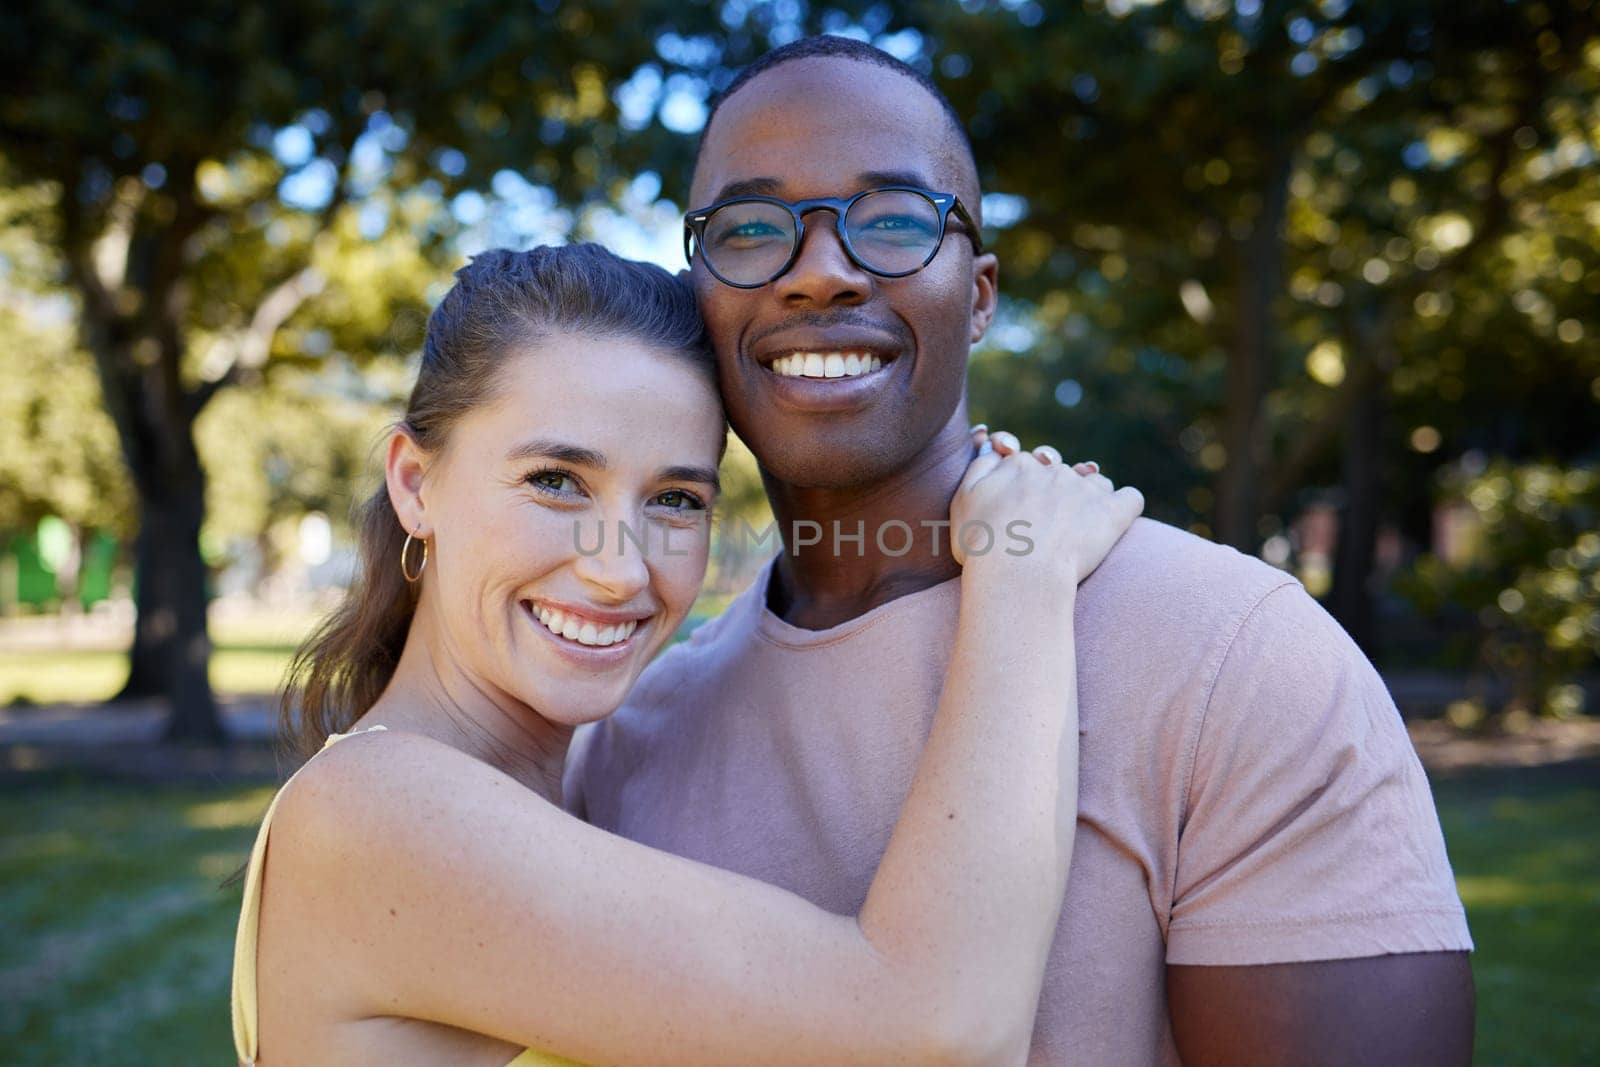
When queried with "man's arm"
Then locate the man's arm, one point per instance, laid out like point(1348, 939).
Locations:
point(1415, 1009)
point(1314, 918)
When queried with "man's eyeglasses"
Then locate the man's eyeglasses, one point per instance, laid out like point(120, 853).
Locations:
point(892, 231)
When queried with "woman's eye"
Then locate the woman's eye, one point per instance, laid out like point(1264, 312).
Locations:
point(553, 481)
point(679, 500)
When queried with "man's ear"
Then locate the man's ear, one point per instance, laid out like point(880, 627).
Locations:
point(405, 469)
point(985, 293)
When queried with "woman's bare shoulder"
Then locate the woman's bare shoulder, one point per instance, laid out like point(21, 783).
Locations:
point(376, 798)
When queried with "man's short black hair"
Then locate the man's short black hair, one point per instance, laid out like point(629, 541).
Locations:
point(829, 45)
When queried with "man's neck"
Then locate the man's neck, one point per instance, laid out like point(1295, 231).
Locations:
point(904, 546)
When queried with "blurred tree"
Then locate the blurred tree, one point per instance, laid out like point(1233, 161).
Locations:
point(198, 155)
point(1524, 560)
point(1234, 220)
point(58, 450)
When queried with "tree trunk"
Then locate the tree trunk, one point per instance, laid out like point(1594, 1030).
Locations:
point(138, 348)
point(1351, 598)
point(148, 675)
point(194, 709)
point(1250, 356)
point(172, 649)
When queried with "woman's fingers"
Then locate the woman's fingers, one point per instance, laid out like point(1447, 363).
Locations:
point(982, 465)
point(1131, 501)
point(1006, 443)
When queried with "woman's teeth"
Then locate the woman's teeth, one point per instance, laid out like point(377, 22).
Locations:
point(826, 365)
point(584, 632)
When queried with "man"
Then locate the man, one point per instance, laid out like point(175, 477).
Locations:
point(1259, 875)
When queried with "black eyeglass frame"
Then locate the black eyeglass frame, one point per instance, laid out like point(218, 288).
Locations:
point(694, 227)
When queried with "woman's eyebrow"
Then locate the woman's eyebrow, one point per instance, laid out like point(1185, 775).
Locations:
point(576, 455)
point(703, 475)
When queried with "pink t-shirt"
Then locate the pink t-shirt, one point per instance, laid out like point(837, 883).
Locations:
point(1247, 792)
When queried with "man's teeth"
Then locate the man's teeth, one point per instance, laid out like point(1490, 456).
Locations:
point(585, 633)
point(826, 365)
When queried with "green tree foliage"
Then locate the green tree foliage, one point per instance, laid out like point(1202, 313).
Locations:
point(58, 449)
point(199, 154)
point(1524, 559)
point(1256, 250)
point(1300, 244)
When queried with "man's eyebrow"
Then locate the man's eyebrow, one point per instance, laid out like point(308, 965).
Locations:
point(702, 475)
point(866, 180)
point(893, 177)
point(749, 187)
point(577, 455)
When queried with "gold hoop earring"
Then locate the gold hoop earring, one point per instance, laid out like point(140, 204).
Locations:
point(406, 548)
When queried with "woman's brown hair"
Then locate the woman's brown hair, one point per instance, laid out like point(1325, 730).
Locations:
point(502, 302)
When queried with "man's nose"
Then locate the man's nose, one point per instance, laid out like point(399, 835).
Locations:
point(823, 272)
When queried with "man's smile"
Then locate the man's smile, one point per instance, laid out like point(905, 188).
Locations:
point(826, 365)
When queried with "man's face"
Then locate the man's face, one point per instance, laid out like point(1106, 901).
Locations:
point(827, 127)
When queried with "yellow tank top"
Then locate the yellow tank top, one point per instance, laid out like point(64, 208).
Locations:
point(245, 1026)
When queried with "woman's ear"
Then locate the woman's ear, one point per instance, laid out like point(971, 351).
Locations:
point(405, 469)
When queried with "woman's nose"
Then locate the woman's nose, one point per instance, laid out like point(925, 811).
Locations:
point(615, 560)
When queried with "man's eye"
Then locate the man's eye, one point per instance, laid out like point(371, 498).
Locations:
point(678, 500)
point(908, 225)
point(746, 233)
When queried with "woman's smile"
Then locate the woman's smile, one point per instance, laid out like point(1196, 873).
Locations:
point(591, 637)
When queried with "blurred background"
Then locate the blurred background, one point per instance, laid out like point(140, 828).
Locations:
point(1321, 278)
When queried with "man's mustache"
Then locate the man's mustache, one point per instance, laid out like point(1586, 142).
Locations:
point(830, 320)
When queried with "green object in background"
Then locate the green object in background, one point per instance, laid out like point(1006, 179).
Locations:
point(36, 582)
point(94, 576)
point(34, 563)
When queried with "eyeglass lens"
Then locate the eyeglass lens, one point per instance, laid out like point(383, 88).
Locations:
point(891, 232)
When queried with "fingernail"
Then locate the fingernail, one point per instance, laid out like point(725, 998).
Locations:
point(980, 427)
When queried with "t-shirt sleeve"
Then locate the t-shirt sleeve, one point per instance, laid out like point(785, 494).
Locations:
point(1310, 831)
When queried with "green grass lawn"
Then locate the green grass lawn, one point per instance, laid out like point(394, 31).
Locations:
point(117, 939)
point(1527, 862)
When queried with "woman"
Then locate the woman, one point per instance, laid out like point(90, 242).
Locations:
point(428, 901)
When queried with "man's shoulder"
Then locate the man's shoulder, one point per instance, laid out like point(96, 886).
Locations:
point(1158, 571)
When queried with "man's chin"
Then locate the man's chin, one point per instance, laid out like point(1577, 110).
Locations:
point(821, 463)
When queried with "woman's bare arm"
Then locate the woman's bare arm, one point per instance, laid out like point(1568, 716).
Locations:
point(439, 889)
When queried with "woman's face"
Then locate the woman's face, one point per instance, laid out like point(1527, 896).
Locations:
point(568, 522)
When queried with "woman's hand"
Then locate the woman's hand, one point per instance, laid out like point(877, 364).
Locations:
point(1035, 514)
